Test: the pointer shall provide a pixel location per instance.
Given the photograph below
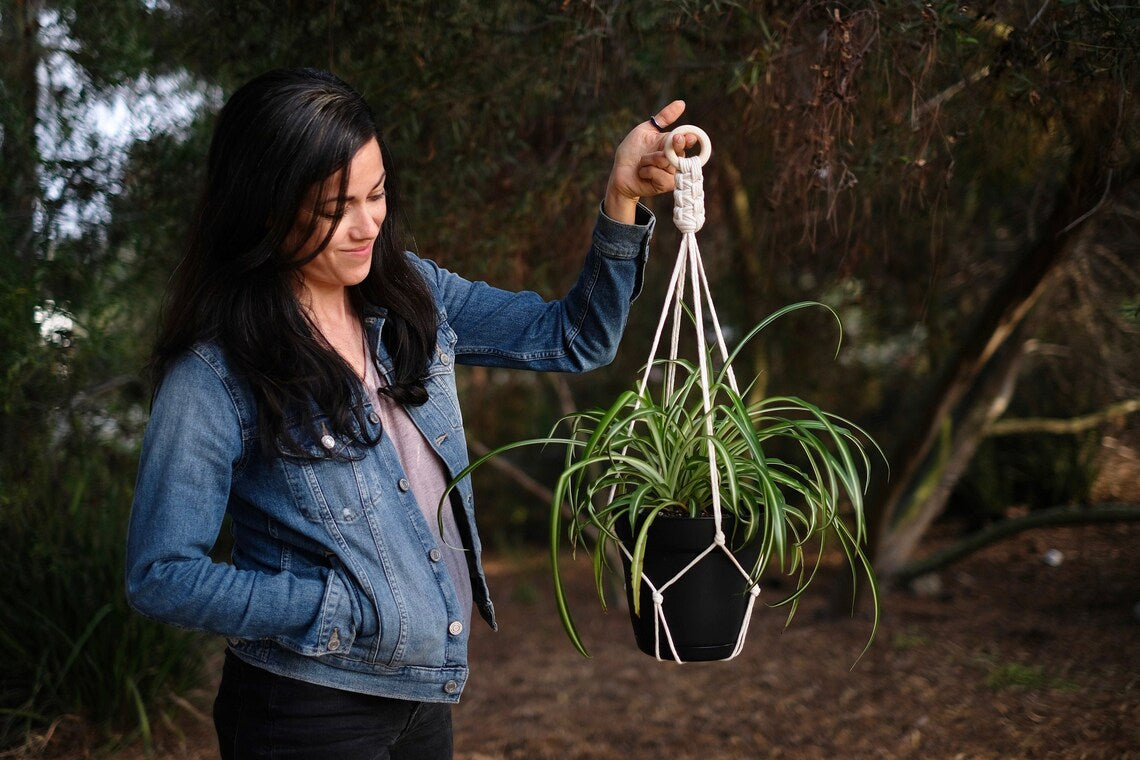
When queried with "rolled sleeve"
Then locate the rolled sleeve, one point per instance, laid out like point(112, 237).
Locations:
point(623, 241)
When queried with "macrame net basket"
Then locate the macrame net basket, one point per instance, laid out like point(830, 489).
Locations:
point(689, 275)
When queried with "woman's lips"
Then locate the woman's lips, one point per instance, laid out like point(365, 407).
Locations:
point(361, 251)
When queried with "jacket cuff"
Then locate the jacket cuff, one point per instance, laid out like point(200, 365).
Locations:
point(615, 240)
point(624, 241)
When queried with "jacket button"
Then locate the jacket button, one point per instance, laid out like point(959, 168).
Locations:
point(404, 485)
point(435, 555)
point(455, 628)
point(334, 640)
point(444, 359)
point(328, 441)
point(374, 418)
point(450, 687)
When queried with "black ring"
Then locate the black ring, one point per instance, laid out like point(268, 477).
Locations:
point(657, 126)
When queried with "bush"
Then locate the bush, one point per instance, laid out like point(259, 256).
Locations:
point(72, 645)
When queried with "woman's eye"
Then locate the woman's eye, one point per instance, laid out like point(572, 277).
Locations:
point(377, 197)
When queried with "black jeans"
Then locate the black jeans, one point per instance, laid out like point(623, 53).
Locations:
point(262, 715)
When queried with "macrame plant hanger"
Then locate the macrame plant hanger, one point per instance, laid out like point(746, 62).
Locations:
point(689, 217)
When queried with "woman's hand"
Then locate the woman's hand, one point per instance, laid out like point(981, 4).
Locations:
point(640, 166)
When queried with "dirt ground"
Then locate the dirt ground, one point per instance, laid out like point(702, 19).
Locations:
point(1003, 655)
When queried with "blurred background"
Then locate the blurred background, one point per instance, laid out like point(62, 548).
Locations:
point(958, 180)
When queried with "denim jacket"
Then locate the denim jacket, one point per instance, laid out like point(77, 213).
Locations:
point(336, 578)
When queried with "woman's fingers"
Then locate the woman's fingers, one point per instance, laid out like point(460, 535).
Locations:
point(669, 114)
point(641, 167)
point(659, 178)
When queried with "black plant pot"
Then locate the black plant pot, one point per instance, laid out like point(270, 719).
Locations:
point(705, 608)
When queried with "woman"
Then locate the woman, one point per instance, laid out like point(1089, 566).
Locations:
point(305, 386)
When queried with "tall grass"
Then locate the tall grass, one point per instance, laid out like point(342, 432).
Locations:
point(71, 644)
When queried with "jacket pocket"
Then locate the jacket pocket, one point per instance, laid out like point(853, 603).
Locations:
point(327, 486)
point(364, 609)
point(338, 621)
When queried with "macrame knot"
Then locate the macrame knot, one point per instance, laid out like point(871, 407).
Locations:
point(689, 195)
point(658, 598)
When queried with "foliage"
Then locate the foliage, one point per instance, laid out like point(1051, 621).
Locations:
point(73, 645)
point(895, 158)
point(72, 409)
point(781, 467)
point(77, 299)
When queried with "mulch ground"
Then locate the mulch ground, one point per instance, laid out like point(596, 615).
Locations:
point(1003, 655)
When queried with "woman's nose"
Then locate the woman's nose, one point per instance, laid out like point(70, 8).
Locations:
point(364, 223)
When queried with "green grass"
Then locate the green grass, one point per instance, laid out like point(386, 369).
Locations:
point(1016, 675)
point(905, 641)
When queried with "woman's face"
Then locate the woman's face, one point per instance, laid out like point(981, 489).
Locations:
point(348, 256)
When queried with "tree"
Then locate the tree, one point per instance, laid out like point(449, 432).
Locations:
point(1093, 135)
point(958, 179)
point(865, 151)
point(71, 403)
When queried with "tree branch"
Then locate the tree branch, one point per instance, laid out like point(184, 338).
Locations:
point(1064, 426)
point(1041, 519)
point(936, 101)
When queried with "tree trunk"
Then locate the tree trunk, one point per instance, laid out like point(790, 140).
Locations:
point(738, 211)
point(933, 454)
point(959, 435)
point(19, 152)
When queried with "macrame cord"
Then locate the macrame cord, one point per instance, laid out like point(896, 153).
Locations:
point(689, 217)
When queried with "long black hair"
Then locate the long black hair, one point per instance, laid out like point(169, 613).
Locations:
point(278, 137)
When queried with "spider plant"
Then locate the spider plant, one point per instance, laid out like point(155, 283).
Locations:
point(782, 467)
